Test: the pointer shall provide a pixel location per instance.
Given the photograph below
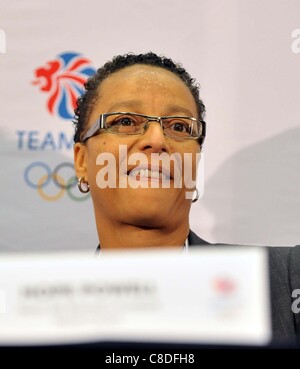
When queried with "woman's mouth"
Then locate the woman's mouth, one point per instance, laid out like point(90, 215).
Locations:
point(145, 173)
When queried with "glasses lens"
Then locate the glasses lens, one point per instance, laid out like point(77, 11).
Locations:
point(128, 124)
point(180, 127)
point(133, 124)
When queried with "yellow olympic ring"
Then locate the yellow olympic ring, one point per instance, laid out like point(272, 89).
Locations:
point(41, 192)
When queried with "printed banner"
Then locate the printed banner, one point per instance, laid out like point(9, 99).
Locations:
point(244, 54)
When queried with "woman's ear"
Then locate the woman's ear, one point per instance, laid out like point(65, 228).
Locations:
point(80, 160)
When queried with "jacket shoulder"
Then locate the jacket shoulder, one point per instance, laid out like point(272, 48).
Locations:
point(284, 271)
point(294, 267)
point(196, 240)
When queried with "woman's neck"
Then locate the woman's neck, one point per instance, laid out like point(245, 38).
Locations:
point(130, 236)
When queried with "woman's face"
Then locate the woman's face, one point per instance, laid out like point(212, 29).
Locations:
point(151, 91)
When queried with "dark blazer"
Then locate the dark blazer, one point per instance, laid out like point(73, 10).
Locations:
point(284, 271)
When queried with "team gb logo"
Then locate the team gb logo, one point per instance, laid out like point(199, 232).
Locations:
point(62, 79)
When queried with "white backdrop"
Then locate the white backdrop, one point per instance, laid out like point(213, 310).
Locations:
point(242, 54)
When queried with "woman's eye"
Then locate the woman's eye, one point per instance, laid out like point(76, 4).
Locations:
point(123, 122)
point(180, 127)
point(126, 121)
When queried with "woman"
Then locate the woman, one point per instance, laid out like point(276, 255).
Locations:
point(138, 204)
point(151, 206)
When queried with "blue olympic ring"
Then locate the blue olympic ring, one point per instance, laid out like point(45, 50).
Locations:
point(37, 164)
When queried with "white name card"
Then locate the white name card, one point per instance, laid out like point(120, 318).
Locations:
point(213, 295)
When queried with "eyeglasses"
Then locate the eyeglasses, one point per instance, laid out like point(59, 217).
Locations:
point(176, 127)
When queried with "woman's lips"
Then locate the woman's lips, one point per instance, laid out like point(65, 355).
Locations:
point(145, 173)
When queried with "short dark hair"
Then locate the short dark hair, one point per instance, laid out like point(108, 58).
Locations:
point(87, 100)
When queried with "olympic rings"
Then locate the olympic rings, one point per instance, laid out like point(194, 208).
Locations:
point(58, 180)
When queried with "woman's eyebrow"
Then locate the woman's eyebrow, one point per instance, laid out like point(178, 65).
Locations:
point(125, 104)
point(177, 109)
point(137, 104)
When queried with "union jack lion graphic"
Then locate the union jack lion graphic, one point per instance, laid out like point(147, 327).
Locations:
point(63, 79)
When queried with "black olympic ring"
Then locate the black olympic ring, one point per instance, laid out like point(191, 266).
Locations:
point(71, 182)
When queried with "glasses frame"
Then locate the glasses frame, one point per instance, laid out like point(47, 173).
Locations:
point(100, 125)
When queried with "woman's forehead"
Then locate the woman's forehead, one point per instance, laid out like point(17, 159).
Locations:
point(144, 71)
point(147, 84)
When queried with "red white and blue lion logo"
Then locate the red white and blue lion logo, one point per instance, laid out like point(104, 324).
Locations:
point(63, 79)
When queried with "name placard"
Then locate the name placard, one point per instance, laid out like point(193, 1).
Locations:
point(212, 295)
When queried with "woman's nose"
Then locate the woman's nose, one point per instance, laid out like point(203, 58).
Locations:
point(154, 137)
